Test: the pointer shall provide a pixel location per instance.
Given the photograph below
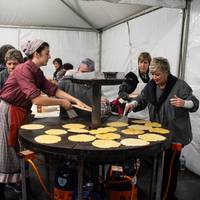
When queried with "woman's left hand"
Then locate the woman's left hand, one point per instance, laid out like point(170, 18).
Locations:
point(81, 104)
point(177, 102)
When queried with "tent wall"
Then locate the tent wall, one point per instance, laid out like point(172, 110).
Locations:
point(158, 32)
point(70, 46)
point(192, 76)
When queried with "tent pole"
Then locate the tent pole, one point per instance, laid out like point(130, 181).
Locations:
point(184, 40)
point(49, 28)
point(144, 12)
point(83, 18)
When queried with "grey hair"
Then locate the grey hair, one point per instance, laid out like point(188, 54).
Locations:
point(14, 54)
point(3, 51)
point(160, 63)
point(90, 63)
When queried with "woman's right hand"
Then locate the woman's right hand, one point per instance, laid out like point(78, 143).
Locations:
point(66, 104)
point(129, 108)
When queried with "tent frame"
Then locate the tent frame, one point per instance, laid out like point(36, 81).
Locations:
point(183, 41)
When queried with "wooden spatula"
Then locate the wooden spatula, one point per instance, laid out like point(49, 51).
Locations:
point(82, 108)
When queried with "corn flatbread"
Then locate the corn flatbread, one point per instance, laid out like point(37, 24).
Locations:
point(56, 132)
point(130, 131)
point(133, 142)
point(153, 124)
point(150, 137)
point(159, 130)
point(108, 136)
point(139, 127)
point(73, 126)
point(78, 130)
point(47, 139)
point(117, 124)
point(81, 138)
point(32, 126)
point(140, 121)
point(102, 130)
point(95, 131)
point(106, 144)
point(107, 129)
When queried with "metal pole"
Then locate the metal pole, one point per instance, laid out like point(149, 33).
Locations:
point(153, 178)
point(100, 51)
point(78, 14)
point(62, 28)
point(80, 178)
point(96, 105)
point(144, 12)
point(160, 176)
point(184, 40)
point(47, 170)
point(23, 174)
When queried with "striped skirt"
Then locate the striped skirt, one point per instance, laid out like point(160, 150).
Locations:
point(9, 160)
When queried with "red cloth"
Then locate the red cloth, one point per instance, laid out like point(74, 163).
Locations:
point(117, 106)
point(176, 146)
point(17, 118)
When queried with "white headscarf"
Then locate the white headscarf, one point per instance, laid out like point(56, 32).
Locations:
point(31, 46)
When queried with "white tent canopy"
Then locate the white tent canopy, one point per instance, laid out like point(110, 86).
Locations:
point(113, 33)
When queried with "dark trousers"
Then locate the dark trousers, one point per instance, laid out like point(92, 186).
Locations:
point(170, 174)
point(2, 189)
point(144, 176)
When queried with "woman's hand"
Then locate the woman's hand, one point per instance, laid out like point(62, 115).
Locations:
point(129, 108)
point(66, 104)
point(177, 102)
point(81, 104)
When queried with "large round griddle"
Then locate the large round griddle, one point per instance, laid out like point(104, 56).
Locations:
point(86, 151)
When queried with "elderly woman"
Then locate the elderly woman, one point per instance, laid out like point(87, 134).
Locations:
point(169, 100)
point(3, 51)
point(13, 57)
point(22, 89)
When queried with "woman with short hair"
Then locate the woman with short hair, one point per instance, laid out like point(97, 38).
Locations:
point(169, 100)
point(135, 82)
point(13, 57)
point(3, 50)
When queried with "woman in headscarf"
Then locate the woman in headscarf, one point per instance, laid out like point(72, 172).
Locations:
point(22, 89)
point(13, 57)
point(170, 100)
